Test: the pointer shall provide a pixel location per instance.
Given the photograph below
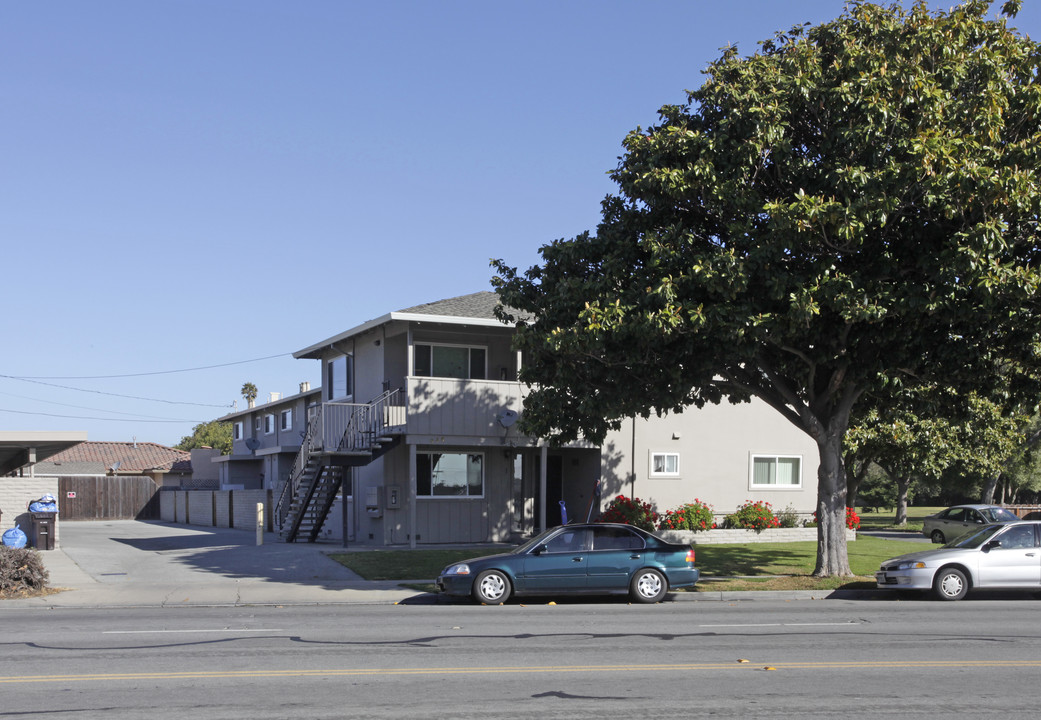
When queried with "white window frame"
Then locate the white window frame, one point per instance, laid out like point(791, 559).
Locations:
point(285, 420)
point(665, 473)
point(469, 361)
point(752, 485)
point(269, 424)
point(431, 496)
point(238, 431)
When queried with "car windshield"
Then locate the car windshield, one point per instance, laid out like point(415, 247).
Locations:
point(997, 514)
point(975, 539)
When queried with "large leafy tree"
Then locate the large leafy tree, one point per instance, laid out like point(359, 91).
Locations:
point(851, 207)
point(212, 434)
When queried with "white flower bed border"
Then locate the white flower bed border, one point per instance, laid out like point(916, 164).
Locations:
point(725, 537)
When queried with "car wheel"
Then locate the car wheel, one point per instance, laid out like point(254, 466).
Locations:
point(648, 586)
point(491, 588)
point(937, 537)
point(950, 584)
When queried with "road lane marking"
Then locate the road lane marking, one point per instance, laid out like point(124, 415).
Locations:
point(520, 670)
point(160, 632)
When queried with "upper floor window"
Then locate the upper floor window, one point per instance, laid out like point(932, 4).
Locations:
point(237, 431)
point(776, 472)
point(269, 424)
point(286, 420)
point(450, 361)
point(339, 377)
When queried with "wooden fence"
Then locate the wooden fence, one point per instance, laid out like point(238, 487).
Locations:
point(107, 497)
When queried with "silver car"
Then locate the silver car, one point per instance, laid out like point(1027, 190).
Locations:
point(995, 556)
point(948, 524)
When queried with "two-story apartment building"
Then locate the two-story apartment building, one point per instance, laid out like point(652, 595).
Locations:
point(416, 421)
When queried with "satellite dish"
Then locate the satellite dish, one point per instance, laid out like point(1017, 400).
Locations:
point(507, 418)
point(252, 443)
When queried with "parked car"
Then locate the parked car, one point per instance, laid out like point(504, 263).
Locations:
point(948, 524)
point(596, 558)
point(995, 556)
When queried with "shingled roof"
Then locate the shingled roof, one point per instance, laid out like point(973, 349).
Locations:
point(133, 458)
point(476, 305)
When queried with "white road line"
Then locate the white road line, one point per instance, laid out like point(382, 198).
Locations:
point(159, 632)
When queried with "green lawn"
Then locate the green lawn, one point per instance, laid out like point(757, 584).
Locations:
point(885, 519)
point(754, 566)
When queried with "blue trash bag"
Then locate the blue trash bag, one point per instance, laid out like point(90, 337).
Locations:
point(40, 506)
point(15, 538)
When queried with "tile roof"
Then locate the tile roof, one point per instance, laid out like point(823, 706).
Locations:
point(132, 457)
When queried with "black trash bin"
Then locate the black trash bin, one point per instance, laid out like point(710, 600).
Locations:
point(44, 527)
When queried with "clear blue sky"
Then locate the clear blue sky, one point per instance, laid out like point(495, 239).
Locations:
point(196, 183)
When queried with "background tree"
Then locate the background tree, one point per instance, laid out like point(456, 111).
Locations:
point(212, 434)
point(249, 391)
point(853, 207)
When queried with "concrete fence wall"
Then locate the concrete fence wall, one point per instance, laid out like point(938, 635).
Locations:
point(735, 536)
point(216, 508)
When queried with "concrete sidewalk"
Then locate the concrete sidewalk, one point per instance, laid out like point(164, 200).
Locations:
point(127, 563)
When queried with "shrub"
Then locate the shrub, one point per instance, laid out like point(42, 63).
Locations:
point(696, 516)
point(631, 511)
point(788, 518)
point(21, 572)
point(756, 516)
point(852, 519)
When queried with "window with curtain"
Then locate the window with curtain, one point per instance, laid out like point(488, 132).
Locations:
point(776, 471)
point(339, 380)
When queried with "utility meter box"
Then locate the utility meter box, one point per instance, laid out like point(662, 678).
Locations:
point(372, 502)
point(393, 497)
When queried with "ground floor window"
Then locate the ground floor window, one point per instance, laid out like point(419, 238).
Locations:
point(776, 471)
point(446, 474)
point(665, 464)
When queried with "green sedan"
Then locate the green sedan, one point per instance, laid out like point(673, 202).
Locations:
point(580, 559)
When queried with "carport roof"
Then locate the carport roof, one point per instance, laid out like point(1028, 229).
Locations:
point(15, 447)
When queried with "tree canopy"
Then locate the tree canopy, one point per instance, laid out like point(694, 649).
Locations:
point(852, 207)
point(212, 434)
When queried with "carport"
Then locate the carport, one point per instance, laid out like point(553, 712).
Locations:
point(20, 450)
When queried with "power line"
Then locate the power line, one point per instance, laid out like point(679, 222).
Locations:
point(78, 407)
point(85, 417)
point(102, 392)
point(142, 374)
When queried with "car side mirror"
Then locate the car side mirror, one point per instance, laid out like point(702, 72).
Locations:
point(991, 545)
point(539, 549)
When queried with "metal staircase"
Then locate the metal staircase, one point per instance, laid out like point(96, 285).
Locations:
point(339, 436)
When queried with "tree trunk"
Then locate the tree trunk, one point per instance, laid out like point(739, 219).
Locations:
point(903, 484)
point(832, 554)
point(989, 487)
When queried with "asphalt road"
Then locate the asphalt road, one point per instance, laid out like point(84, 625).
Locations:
point(581, 659)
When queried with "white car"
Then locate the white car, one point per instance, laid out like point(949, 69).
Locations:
point(995, 556)
point(955, 521)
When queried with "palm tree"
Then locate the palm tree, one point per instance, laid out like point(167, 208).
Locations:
point(249, 391)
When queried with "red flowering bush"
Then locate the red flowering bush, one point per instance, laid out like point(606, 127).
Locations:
point(631, 511)
point(756, 516)
point(696, 516)
point(852, 519)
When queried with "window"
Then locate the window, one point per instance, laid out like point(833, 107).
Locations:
point(286, 420)
point(449, 474)
point(608, 538)
point(339, 377)
point(776, 471)
point(450, 361)
point(665, 464)
point(269, 424)
point(256, 426)
point(237, 431)
point(569, 541)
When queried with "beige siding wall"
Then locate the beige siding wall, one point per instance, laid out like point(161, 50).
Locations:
point(715, 445)
point(461, 408)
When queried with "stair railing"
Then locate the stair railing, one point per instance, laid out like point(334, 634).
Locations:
point(311, 442)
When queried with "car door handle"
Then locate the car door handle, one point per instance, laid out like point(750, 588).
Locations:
point(1030, 554)
point(635, 557)
point(576, 559)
